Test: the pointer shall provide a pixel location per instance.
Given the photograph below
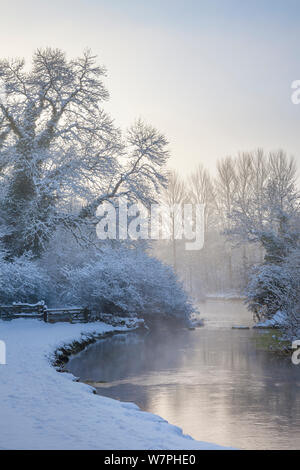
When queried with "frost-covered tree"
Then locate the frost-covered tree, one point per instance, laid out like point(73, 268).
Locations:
point(265, 206)
point(58, 144)
point(267, 290)
point(225, 190)
point(22, 281)
point(267, 213)
point(202, 191)
point(265, 188)
point(173, 198)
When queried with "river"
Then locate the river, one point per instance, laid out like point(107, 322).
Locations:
point(213, 382)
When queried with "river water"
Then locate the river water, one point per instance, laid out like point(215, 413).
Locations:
point(213, 382)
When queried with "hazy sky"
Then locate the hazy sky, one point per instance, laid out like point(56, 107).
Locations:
point(214, 75)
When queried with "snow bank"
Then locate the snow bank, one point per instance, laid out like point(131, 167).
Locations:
point(43, 409)
point(225, 296)
point(277, 321)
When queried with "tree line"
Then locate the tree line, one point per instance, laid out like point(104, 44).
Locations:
point(252, 215)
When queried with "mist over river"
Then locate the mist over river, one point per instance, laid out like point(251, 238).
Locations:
point(213, 382)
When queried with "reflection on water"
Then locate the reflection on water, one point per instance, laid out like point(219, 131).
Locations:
point(212, 382)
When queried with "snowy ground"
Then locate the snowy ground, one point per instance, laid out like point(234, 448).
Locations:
point(43, 409)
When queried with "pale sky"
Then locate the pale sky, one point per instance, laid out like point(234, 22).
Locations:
point(214, 75)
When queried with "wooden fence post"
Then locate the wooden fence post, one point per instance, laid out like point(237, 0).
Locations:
point(86, 314)
point(45, 314)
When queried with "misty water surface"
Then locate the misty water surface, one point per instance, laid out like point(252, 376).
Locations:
point(213, 382)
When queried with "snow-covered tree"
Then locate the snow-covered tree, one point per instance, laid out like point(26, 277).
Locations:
point(173, 198)
point(267, 290)
point(268, 214)
point(58, 144)
point(266, 196)
point(202, 191)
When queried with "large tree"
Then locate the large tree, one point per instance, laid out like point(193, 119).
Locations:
point(174, 196)
point(266, 203)
point(57, 146)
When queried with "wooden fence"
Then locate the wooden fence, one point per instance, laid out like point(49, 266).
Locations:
point(50, 315)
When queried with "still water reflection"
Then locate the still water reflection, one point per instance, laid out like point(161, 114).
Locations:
point(213, 382)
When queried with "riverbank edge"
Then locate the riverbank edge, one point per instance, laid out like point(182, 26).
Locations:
point(270, 340)
point(62, 354)
point(54, 410)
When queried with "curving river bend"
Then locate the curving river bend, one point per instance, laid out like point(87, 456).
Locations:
point(213, 382)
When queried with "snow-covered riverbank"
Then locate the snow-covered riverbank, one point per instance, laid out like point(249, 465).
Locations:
point(43, 409)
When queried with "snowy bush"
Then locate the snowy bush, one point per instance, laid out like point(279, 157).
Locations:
point(291, 265)
point(276, 288)
point(22, 280)
point(127, 282)
point(119, 280)
point(267, 290)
